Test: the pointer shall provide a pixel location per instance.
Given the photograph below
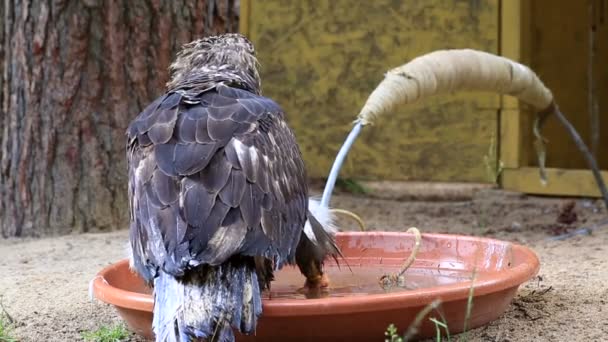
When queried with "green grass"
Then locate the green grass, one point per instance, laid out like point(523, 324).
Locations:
point(6, 330)
point(438, 326)
point(494, 166)
point(483, 219)
point(392, 333)
point(117, 333)
point(351, 186)
point(467, 317)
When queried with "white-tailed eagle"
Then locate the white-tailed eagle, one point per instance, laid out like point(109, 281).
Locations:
point(218, 196)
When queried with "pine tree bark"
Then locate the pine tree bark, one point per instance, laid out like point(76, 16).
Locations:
point(73, 73)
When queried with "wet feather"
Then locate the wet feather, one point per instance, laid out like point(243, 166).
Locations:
point(215, 178)
point(232, 192)
point(195, 202)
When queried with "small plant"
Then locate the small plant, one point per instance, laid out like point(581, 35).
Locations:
point(351, 186)
point(438, 326)
point(117, 333)
point(6, 325)
point(482, 219)
point(494, 166)
point(467, 317)
point(392, 335)
point(6, 330)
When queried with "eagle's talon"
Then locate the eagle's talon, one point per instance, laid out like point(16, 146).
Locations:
point(315, 287)
point(317, 282)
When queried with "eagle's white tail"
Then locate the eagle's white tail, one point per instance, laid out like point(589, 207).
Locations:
point(323, 215)
point(207, 304)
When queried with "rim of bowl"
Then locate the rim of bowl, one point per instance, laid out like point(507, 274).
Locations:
point(496, 282)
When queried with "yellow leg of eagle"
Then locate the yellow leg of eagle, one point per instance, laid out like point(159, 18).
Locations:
point(309, 258)
point(315, 278)
point(316, 243)
point(317, 282)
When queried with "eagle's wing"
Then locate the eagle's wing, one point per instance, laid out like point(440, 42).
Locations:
point(213, 175)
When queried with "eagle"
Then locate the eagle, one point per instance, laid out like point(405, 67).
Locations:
point(218, 196)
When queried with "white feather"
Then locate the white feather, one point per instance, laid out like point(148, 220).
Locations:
point(224, 243)
point(271, 137)
point(139, 169)
point(240, 149)
point(129, 251)
point(253, 153)
point(91, 294)
point(323, 215)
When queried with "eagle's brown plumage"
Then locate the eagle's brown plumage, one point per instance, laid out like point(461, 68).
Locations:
point(218, 194)
point(217, 173)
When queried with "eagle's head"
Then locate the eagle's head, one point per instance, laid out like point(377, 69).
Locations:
point(227, 58)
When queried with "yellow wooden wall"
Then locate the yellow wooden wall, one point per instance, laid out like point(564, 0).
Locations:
point(321, 59)
point(558, 38)
point(552, 36)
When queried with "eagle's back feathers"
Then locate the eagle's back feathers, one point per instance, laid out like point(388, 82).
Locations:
point(213, 174)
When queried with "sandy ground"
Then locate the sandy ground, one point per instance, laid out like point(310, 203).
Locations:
point(44, 282)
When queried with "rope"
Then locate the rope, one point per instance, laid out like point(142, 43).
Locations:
point(440, 72)
point(396, 279)
point(352, 215)
point(446, 71)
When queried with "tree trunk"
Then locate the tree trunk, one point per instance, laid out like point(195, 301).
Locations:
point(73, 75)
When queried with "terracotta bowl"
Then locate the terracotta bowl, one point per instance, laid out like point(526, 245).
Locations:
point(356, 308)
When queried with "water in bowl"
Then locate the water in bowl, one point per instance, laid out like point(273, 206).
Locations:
point(361, 281)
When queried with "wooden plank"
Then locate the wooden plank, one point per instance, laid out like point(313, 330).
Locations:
point(510, 40)
point(510, 137)
point(561, 182)
point(559, 55)
point(244, 16)
point(510, 112)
